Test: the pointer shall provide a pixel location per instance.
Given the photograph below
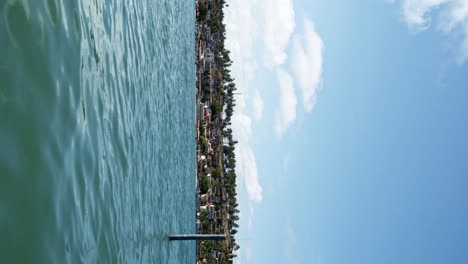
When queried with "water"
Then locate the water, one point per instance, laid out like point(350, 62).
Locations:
point(97, 145)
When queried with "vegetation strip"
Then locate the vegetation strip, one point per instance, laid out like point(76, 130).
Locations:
point(217, 207)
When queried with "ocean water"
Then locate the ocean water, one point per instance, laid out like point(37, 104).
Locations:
point(97, 140)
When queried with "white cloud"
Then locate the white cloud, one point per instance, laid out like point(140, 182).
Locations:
point(276, 19)
point(415, 11)
point(307, 63)
point(279, 25)
point(288, 103)
point(241, 27)
point(257, 103)
point(246, 160)
point(248, 166)
point(452, 16)
point(456, 17)
point(258, 33)
point(243, 121)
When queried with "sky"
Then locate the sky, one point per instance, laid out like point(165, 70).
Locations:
point(352, 125)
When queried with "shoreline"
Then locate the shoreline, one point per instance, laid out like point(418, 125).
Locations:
point(215, 178)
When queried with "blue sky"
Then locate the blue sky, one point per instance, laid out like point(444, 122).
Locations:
point(352, 127)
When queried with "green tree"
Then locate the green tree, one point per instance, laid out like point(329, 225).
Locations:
point(202, 9)
point(216, 107)
point(204, 144)
point(205, 184)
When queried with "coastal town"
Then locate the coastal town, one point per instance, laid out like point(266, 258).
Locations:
point(217, 207)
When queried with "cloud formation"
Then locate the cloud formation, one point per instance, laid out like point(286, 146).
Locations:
point(241, 27)
point(414, 11)
point(288, 103)
point(246, 157)
point(259, 33)
point(257, 103)
point(307, 63)
point(451, 17)
point(246, 160)
point(276, 18)
point(279, 25)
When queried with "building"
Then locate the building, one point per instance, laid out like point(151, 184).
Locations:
point(200, 111)
point(211, 215)
point(209, 55)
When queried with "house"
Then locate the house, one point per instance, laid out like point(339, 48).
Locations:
point(204, 198)
point(207, 208)
point(211, 215)
point(207, 32)
point(200, 111)
point(209, 55)
point(207, 114)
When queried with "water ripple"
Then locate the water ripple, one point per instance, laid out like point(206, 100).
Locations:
point(97, 136)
